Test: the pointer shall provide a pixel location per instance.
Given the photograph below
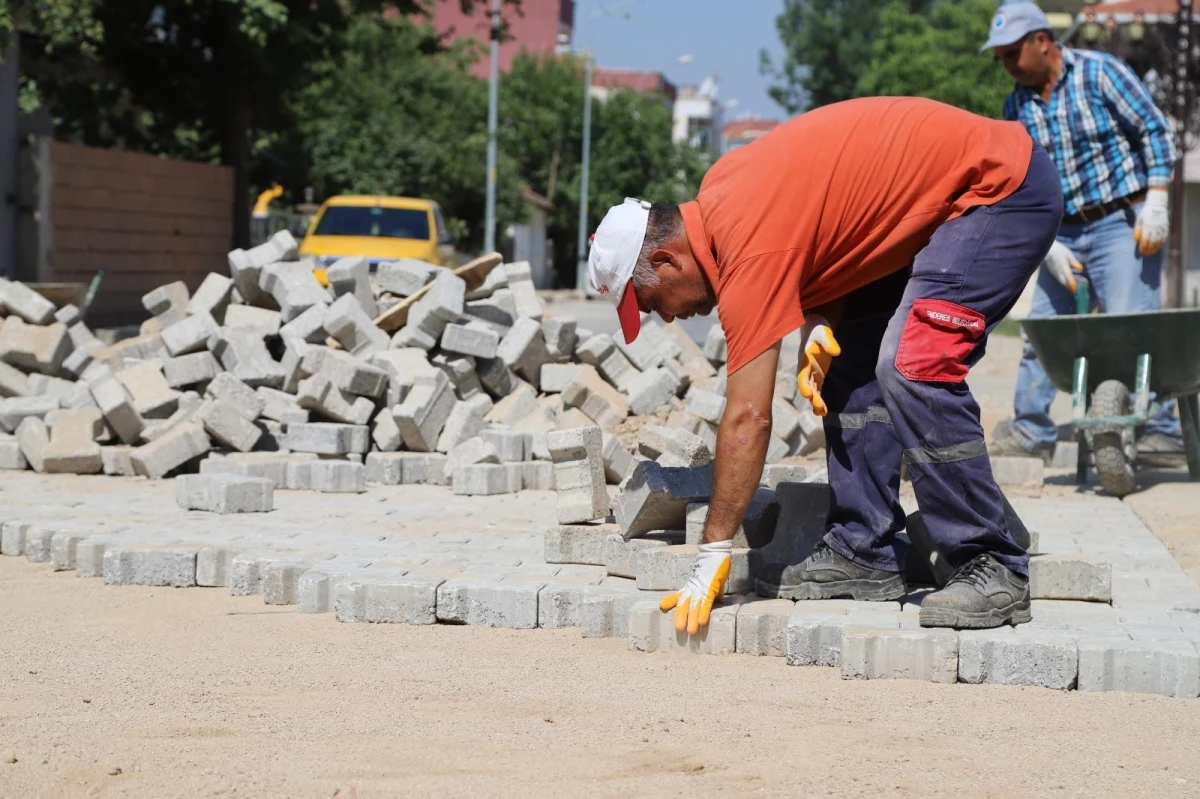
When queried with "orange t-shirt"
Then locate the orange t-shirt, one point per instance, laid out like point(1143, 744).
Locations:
point(836, 198)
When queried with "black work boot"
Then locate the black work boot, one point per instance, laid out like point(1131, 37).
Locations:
point(981, 593)
point(827, 575)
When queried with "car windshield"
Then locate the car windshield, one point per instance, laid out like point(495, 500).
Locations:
point(358, 220)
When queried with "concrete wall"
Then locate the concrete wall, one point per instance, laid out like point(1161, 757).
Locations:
point(145, 220)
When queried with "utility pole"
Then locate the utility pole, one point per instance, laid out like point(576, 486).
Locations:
point(581, 267)
point(1181, 90)
point(489, 225)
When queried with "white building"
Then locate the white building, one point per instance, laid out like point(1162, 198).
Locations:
point(697, 117)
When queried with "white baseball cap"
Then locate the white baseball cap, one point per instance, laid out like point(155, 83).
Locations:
point(616, 245)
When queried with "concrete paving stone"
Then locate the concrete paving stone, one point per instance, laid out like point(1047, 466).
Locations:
point(271, 466)
point(224, 493)
point(349, 324)
point(294, 288)
point(520, 283)
point(485, 479)
point(12, 538)
point(464, 422)
point(480, 342)
point(38, 542)
point(512, 446)
point(653, 630)
point(348, 373)
point(33, 441)
point(338, 477)
point(385, 433)
point(592, 395)
point(424, 412)
point(318, 394)
point(604, 609)
point(1034, 658)
point(190, 335)
point(246, 570)
point(196, 369)
point(248, 402)
point(242, 352)
point(1167, 668)
point(212, 296)
point(577, 543)
point(1071, 577)
point(673, 446)
point(921, 654)
point(116, 405)
point(560, 335)
point(316, 588)
point(253, 321)
point(425, 469)
point(579, 478)
point(15, 410)
point(651, 390)
point(668, 568)
point(326, 438)
point(655, 497)
point(11, 456)
point(89, 556)
point(523, 349)
point(213, 565)
point(225, 423)
point(309, 326)
point(707, 405)
point(149, 566)
point(17, 298)
point(556, 376)
point(537, 476)
point(762, 627)
point(468, 453)
point(280, 580)
point(489, 602)
point(559, 603)
point(63, 547)
point(400, 598)
point(814, 638)
point(618, 462)
point(776, 473)
point(600, 352)
point(279, 406)
point(75, 365)
point(34, 348)
point(1018, 471)
point(404, 277)
point(13, 382)
point(757, 527)
point(620, 554)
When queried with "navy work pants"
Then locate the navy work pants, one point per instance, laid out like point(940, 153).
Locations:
point(898, 390)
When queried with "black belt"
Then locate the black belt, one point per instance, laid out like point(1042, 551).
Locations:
point(1094, 213)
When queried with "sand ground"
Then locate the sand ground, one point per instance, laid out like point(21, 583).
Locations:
point(196, 693)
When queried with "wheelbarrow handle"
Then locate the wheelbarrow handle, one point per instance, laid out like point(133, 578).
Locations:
point(93, 290)
point(1083, 299)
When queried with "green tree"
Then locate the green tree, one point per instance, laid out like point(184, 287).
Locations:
point(937, 56)
point(827, 46)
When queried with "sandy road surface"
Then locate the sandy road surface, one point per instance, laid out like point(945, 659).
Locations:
point(195, 693)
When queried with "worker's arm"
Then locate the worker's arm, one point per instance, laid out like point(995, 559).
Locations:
point(742, 442)
point(1140, 119)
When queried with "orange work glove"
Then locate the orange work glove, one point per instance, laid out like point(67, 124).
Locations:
point(818, 349)
point(693, 603)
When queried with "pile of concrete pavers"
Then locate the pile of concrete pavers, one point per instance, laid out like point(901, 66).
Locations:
point(266, 375)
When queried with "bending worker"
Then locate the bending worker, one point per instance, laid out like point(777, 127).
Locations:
point(1115, 152)
point(895, 232)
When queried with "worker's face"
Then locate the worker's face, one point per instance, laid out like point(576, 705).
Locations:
point(1028, 60)
point(682, 291)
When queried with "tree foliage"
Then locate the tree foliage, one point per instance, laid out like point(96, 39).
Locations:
point(936, 55)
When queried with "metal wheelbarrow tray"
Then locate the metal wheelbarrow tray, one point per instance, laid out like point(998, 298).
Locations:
point(1102, 356)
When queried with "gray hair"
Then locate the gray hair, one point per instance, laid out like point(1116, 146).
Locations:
point(664, 226)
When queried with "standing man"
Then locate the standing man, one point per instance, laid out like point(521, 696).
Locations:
point(1114, 152)
point(895, 232)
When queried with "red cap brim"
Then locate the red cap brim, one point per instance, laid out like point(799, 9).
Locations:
point(629, 314)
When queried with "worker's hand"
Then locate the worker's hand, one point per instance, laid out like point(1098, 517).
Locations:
point(693, 603)
point(818, 348)
point(1153, 223)
point(1063, 265)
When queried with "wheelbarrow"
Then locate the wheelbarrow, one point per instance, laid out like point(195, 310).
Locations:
point(1118, 361)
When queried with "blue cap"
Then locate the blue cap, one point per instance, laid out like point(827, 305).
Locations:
point(1013, 21)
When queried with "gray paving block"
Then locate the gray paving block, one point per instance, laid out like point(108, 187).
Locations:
point(480, 342)
point(400, 598)
point(213, 566)
point(1025, 658)
point(190, 335)
point(1018, 471)
point(762, 627)
point(464, 422)
point(212, 297)
point(814, 638)
point(149, 566)
point(757, 527)
point(12, 538)
point(404, 277)
point(338, 477)
point(673, 446)
point(523, 349)
point(668, 568)
point(489, 602)
point(577, 543)
point(225, 423)
point(656, 497)
point(559, 603)
point(604, 610)
point(1074, 577)
point(33, 441)
point(242, 352)
point(556, 376)
point(11, 456)
point(653, 630)
point(354, 330)
point(424, 412)
point(34, 348)
point(175, 448)
point(511, 445)
point(484, 479)
point(873, 654)
point(15, 410)
point(114, 402)
point(326, 438)
point(17, 298)
point(245, 400)
point(38, 543)
point(317, 588)
point(294, 288)
point(63, 546)
point(348, 373)
point(318, 394)
point(651, 390)
point(592, 395)
point(1168, 668)
point(281, 578)
point(195, 369)
point(537, 476)
point(424, 469)
point(224, 493)
point(579, 480)
point(620, 554)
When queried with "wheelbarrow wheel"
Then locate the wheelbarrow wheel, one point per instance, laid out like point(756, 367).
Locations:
point(1113, 449)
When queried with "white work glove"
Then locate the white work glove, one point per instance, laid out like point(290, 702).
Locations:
point(693, 603)
point(1153, 223)
point(1062, 264)
point(818, 348)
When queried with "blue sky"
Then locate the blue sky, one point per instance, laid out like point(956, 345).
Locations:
point(723, 36)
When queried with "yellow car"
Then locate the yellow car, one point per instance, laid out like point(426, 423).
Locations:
point(380, 229)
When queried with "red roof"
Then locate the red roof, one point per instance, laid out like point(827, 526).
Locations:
point(635, 79)
point(748, 128)
point(1153, 9)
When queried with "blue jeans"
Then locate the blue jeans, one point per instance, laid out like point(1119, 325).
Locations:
point(1123, 281)
point(898, 390)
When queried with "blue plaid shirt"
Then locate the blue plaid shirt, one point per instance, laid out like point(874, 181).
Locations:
point(1103, 131)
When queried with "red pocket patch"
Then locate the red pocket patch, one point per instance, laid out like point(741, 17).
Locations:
point(937, 339)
